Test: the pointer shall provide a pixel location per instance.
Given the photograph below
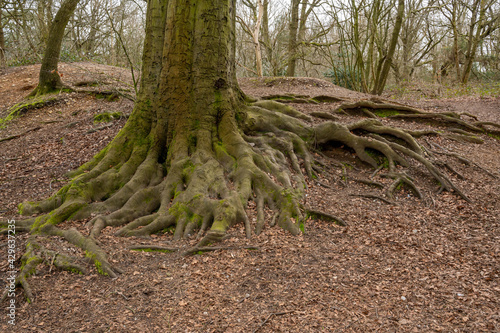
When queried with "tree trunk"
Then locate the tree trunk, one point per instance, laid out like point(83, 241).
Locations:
point(292, 38)
point(456, 54)
point(198, 59)
point(267, 39)
point(50, 79)
point(473, 40)
point(44, 19)
point(382, 78)
point(3, 63)
point(256, 35)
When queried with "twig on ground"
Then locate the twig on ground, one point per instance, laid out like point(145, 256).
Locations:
point(192, 250)
point(270, 316)
point(195, 249)
point(92, 130)
point(316, 214)
point(50, 122)
point(19, 135)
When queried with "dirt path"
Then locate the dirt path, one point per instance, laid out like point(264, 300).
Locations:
point(418, 266)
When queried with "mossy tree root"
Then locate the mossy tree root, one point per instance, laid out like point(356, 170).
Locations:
point(37, 254)
point(376, 108)
point(264, 157)
point(28, 104)
point(302, 99)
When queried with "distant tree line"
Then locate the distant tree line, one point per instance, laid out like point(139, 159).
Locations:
point(358, 44)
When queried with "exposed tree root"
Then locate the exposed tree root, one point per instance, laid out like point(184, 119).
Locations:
point(202, 187)
point(153, 248)
point(19, 135)
point(303, 99)
point(46, 90)
point(109, 95)
point(37, 254)
point(100, 128)
point(402, 180)
point(369, 182)
point(324, 115)
point(190, 251)
point(38, 101)
point(444, 151)
point(376, 108)
point(29, 104)
point(202, 249)
point(316, 214)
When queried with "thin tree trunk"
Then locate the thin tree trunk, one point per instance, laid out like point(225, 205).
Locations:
point(90, 43)
point(292, 38)
point(3, 63)
point(456, 54)
point(380, 84)
point(369, 69)
point(44, 19)
point(50, 79)
point(266, 38)
point(474, 39)
point(256, 34)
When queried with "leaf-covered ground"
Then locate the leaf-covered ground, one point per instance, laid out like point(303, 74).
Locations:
point(414, 266)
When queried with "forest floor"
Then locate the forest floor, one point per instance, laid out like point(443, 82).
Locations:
point(428, 265)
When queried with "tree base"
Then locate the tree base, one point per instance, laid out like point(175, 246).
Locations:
point(264, 157)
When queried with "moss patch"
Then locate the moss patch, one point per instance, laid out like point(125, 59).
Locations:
point(494, 136)
point(383, 113)
point(378, 157)
point(23, 107)
point(106, 117)
point(97, 263)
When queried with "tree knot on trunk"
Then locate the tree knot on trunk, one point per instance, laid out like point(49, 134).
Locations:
point(220, 84)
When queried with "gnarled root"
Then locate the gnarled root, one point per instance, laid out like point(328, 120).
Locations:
point(36, 254)
point(204, 190)
point(460, 129)
point(29, 104)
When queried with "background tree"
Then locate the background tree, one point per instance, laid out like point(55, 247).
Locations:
point(49, 78)
point(363, 30)
point(479, 28)
point(257, 14)
point(44, 16)
point(292, 37)
point(345, 41)
point(299, 14)
point(418, 38)
point(386, 62)
point(3, 62)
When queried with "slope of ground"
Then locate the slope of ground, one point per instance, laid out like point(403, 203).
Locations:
point(413, 266)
